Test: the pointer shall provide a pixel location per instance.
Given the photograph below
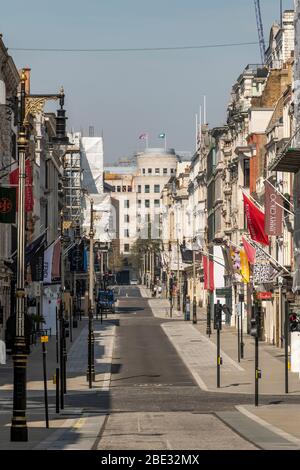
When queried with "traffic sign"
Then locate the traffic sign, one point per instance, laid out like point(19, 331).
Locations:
point(44, 339)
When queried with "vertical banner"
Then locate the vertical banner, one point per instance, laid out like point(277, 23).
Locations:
point(14, 180)
point(255, 221)
point(273, 213)
point(208, 283)
point(56, 260)
point(7, 205)
point(37, 265)
point(48, 258)
point(245, 271)
point(250, 251)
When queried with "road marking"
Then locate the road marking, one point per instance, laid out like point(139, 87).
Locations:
point(270, 427)
point(80, 423)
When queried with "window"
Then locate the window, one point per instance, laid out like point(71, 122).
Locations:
point(126, 233)
point(172, 171)
point(147, 188)
point(139, 218)
point(165, 171)
point(124, 189)
point(114, 189)
point(246, 173)
point(157, 171)
point(157, 188)
point(149, 171)
point(144, 171)
point(126, 247)
point(147, 202)
point(139, 203)
point(156, 202)
point(129, 189)
point(126, 218)
point(118, 189)
point(139, 188)
point(126, 203)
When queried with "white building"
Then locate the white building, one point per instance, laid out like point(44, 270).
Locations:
point(138, 194)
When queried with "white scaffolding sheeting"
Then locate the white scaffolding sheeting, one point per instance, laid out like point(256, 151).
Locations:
point(92, 164)
point(102, 217)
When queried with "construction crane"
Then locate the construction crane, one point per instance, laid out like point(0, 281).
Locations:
point(260, 30)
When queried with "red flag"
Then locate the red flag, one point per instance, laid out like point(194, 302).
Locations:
point(250, 251)
point(56, 260)
point(208, 284)
point(255, 221)
point(14, 180)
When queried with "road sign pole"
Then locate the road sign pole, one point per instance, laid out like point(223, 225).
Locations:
point(239, 337)
point(57, 390)
point(241, 299)
point(43, 340)
point(218, 359)
point(286, 345)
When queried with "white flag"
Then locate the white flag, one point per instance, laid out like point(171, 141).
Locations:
point(48, 258)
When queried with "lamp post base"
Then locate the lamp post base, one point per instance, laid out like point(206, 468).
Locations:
point(19, 430)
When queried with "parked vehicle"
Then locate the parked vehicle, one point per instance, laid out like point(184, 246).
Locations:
point(133, 282)
point(106, 300)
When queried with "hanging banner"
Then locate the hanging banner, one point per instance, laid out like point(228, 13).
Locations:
point(37, 265)
point(250, 251)
point(236, 264)
point(14, 180)
point(48, 258)
point(245, 271)
point(262, 269)
point(273, 213)
point(255, 221)
point(7, 205)
point(227, 259)
point(208, 276)
point(56, 260)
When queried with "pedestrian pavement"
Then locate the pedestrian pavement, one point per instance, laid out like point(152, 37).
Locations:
point(72, 428)
point(274, 426)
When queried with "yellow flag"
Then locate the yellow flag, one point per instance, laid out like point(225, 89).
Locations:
point(245, 272)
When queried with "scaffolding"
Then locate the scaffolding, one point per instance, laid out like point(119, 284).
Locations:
point(72, 184)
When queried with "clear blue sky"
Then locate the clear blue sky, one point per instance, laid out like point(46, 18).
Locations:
point(125, 94)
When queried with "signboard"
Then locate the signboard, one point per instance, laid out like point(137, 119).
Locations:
point(44, 339)
point(223, 292)
point(264, 295)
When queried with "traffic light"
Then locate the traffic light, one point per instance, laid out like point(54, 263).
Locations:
point(253, 327)
point(255, 320)
point(217, 316)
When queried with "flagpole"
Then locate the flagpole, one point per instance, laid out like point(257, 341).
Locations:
point(252, 199)
point(292, 205)
point(268, 254)
point(165, 141)
point(146, 141)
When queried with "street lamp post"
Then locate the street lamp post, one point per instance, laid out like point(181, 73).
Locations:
point(29, 105)
point(19, 430)
point(194, 289)
point(91, 366)
point(178, 273)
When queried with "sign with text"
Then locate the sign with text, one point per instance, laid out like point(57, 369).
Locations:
point(264, 295)
point(273, 211)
